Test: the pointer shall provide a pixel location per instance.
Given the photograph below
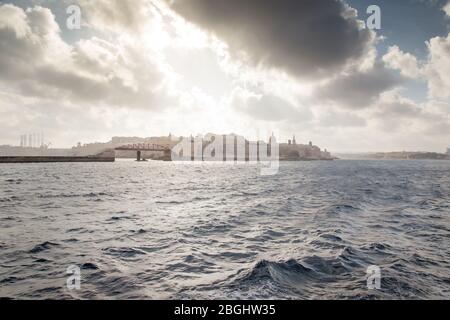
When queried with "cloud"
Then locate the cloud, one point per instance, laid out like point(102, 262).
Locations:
point(13, 18)
point(199, 68)
point(435, 70)
point(333, 119)
point(359, 89)
point(447, 8)
point(306, 38)
point(397, 113)
point(393, 106)
point(268, 107)
point(438, 67)
point(117, 15)
point(406, 63)
point(37, 62)
point(27, 39)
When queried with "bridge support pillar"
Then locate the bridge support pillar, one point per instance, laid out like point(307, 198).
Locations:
point(167, 155)
point(138, 157)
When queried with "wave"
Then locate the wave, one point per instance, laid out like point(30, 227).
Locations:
point(176, 202)
point(14, 181)
point(43, 247)
point(75, 195)
point(124, 252)
point(89, 266)
point(12, 199)
point(339, 208)
point(293, 272)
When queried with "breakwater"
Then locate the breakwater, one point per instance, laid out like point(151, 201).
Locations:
point(48, 159)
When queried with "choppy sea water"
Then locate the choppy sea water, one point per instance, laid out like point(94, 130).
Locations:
point(165, 231)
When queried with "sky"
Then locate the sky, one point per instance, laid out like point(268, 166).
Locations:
point(250, 67)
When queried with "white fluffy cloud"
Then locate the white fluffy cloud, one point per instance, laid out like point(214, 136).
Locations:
point(37, 62)
point(438, 67)
point(435, 70)
point(430, 119)
point(447, 8)
point(406, 63)
point(117, 15)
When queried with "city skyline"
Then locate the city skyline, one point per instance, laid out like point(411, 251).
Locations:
point(153, 67)
point(36, 140)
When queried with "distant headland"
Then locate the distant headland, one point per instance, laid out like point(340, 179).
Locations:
point(401, 155)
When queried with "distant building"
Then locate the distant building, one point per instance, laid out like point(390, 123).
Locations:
point(23, 141)
point(292, 150)
point(32, 140)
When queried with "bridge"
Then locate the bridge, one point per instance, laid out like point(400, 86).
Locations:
point(140, 147)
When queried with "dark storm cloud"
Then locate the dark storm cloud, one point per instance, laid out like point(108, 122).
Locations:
point(307, 38)
point(360, 89)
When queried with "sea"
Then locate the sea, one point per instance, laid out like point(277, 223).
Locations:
point(162, 230)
